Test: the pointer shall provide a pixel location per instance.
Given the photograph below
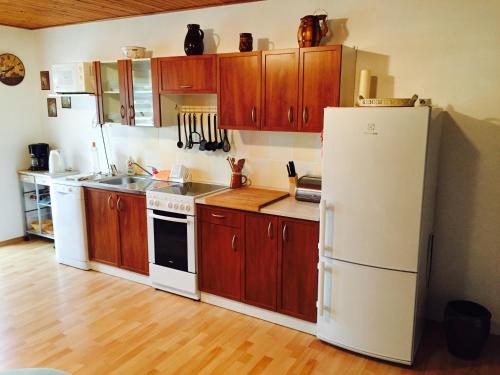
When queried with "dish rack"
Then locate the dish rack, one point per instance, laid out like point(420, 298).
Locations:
point(37, 208)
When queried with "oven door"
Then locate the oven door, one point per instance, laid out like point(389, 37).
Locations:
point(171, 240)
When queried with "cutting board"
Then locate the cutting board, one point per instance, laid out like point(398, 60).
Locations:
point(246, 198)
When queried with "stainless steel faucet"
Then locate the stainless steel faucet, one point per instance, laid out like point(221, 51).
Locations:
point(144, 169)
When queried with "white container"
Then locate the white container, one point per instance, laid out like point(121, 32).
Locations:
point(94, 159)
point(56, 164)
point(134, 52)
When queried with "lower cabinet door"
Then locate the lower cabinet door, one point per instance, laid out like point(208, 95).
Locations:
point(260, 261)
point(221, 248)
point(133, 233)
point(102, 226)
point(298, 268)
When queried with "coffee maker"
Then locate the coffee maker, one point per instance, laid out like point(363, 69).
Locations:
point(39, 153)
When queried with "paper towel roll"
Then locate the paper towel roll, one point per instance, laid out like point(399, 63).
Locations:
point(364, 83)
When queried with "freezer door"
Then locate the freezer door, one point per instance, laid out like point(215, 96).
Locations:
point(373, 174)
point(367, 309)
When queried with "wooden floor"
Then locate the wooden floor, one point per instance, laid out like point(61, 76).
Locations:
point(91, 323)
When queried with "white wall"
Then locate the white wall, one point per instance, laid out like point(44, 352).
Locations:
point(446, 50)
point(20, 125)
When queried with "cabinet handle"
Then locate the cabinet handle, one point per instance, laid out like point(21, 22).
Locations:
point(233, 242)
point(290, 114)
point(269, 230)
point(284, 233)
point(254, 114)
point(218, 216)
point(186, 86)
point(119, 204)
point(132, 112)
point(110, 201)
point(122, 111)
point(305, 115)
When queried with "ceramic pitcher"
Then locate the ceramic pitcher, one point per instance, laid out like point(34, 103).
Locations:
point(311, 29)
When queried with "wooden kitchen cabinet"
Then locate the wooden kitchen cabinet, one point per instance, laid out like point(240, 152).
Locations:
point(124, 92)
point(319, 84)
point(297, 272)
point(260, 261)
point(117, 229)
point(239, 90)
point(280, 89)
point(133, 233)
point(187, 74)
point(221, 260)
point(102, 226)
point(263, 260)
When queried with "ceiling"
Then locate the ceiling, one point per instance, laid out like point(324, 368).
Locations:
point(36, 14)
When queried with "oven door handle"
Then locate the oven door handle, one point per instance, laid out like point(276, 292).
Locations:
point(168, 218)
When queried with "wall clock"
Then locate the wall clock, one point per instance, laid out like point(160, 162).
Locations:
point(11, 69)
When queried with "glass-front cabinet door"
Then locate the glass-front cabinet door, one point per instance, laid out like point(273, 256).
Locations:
point(124, 92)
point(142, 93)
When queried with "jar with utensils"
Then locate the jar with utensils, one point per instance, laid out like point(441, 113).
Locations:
point(237, 178)
point(292, 178)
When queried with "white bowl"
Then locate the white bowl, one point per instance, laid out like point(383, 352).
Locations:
point(134, 52)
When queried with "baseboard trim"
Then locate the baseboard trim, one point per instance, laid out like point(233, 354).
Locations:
point(118, 272)
point(12, 241)
point(257, 312)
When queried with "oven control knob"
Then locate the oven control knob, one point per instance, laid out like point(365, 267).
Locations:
point(170, 204)
point(182, 207)
point(188, 208)
point(157, 203)
point(176, 206)
point(151, 202)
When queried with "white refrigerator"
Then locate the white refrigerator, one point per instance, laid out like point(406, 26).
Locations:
point(378, 188)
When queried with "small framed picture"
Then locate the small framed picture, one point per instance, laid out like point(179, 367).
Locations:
point(66, 101)
point(45, 80)
point(52, 107)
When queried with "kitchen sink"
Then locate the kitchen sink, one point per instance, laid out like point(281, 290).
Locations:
point(126, 180)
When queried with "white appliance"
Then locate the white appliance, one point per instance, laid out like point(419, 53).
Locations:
point(171, 215)
point(56, 163)
point(378, 188)
point(68, 214)
point(73, 78)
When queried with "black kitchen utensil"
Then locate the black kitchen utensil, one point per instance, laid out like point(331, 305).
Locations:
point(190, 141)
point(179, 143)
point(226, 147)
point(195, 136)
point(203, 141)
point(215, 145)
point(292, 169)
point(185, 131)
point(208, 146)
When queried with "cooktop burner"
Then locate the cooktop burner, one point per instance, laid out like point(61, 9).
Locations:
point(190, 189)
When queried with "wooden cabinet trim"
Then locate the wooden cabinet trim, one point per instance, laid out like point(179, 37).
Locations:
point(156, 92)
point(96, 66)
point(123, 77)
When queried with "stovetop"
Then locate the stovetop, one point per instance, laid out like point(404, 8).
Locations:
point(190, 189)
point(179, 198)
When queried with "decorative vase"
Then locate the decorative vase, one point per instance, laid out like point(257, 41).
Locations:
point(246, 42)
point(311, 29)
point(193, 43)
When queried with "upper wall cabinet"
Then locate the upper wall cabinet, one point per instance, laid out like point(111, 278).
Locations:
point(124, 92)
point(239, 90)
point(296, 85)
point(280, 82)
point(187, 74)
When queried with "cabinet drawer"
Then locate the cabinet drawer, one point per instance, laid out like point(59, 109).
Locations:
point(27, 179)
point(187, 74)
point(221, 216)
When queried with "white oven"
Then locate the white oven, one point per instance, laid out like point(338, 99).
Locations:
point(172, 252)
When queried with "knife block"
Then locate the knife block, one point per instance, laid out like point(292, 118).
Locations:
point(292, 185)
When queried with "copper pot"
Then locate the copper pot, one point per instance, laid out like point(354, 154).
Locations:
point(311, 30)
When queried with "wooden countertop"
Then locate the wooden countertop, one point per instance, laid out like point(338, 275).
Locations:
point(287, 207)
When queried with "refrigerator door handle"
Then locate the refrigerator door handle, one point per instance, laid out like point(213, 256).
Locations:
point(321, 287)
point(322, 219)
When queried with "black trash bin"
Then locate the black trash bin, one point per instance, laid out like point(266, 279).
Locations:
point(467, 326)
